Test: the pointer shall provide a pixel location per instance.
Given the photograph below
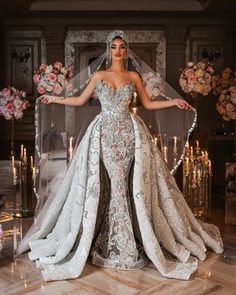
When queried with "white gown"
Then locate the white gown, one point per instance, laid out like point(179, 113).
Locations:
point(119, 203)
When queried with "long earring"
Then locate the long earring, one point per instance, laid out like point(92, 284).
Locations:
point(108, 58)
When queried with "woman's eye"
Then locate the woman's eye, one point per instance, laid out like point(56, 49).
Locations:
point(122, 47)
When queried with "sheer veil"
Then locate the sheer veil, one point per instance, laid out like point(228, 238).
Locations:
point(59, 129)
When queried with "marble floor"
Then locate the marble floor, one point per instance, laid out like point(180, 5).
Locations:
point(18, 275)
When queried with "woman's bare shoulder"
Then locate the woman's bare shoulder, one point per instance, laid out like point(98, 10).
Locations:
point(135, 76)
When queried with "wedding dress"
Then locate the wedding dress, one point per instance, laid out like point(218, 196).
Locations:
point(119, 203)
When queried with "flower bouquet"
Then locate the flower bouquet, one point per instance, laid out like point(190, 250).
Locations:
point(197, 78)
point(152, 84)
point(226, 105)
point(224, 80)
point(52, 79)
point(12, 103)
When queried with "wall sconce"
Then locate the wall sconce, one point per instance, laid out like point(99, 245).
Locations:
point(211, 56)
point(22, 56)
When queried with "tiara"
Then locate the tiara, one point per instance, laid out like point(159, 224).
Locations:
point(117, 33)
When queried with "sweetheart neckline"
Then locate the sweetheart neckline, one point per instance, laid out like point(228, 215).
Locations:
point(117, 89)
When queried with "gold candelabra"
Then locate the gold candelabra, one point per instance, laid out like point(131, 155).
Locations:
point(197, 174)
point(23, 173)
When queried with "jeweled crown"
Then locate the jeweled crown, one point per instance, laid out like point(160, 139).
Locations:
point(117, 33)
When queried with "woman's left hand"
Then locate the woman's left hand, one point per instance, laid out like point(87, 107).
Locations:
point(183, 104)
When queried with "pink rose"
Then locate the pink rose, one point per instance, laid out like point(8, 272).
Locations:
point(221, 110)
point(57, 89)
point(10, 108)
point(210, 70)
point(52, 77)
point(189, 72)
point(6, 92)
point(191, 79)
point(25, 105)
point(57, 65)
point(41, 90)
point(233, 92)
point(42, 67)
point(36, 78)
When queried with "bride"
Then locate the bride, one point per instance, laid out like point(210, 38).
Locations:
point(118, 202)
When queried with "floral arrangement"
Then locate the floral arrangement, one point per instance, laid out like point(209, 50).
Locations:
point(52, 78)
point(1, 237)
point(152, 84)
point(226, 105)
point(224, 80)
point(197, 78)
point(12, 103)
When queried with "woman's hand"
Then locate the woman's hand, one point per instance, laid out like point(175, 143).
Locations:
point(47, 99)
point(182, 104)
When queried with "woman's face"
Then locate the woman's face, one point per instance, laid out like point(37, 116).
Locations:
point(118, 50)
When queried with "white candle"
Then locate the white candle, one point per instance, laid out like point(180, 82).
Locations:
point(33, 175)
point(25, 156)
point(155, 141)
point(14, 238)
point(70, 148)
point(191, 153)
point(175, 145)
point(187, 148)
point(12, 162)
point(165, 153)
point(31, 162)
point(135, 98)
point(134, 110)
point(187, 166)
point(21, 152)
point(197, 146)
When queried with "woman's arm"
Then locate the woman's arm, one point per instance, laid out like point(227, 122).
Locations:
point(153, 105)
point(73, 100)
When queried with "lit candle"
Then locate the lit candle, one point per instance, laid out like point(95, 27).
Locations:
point(206, 156)
point(25, 156)
point(175, 145)
point(33, 175)
point(21, 152)
point(194, 177)
point(14, 173)
point(155, 141)
point(135, 98)
point(199, 176)
point(14, 238)
point(191, 153)
point(187, 166)
point(197, 146)
point(209, 167)
point(31, 162)
point(165, 153)
point(12, 162)
point(134, 110)
point(187, 148)
point(70, 148)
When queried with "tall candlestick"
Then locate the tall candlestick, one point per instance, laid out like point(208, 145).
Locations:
point(187, 166)
point(33, 175)
point(198, 176)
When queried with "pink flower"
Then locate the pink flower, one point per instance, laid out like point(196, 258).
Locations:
point(220, 109)
point(210, 70)
point(41, 90)
point(36, 78)
point(42, 67)
point(10, 108)
point(57, 65)
point(57, 89)
point(25, 104)
point(191, 79)
point(6, 92)
point(189, 72)
point(52, 77)
point(233, 92)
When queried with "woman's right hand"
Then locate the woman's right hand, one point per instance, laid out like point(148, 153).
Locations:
point(47, 99)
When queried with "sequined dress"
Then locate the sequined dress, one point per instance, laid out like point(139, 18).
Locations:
point(119, 204)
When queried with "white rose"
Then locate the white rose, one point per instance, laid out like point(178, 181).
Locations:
point(49, 88)
point(49, 69)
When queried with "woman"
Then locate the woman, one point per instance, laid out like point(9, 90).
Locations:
point(118, 200)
